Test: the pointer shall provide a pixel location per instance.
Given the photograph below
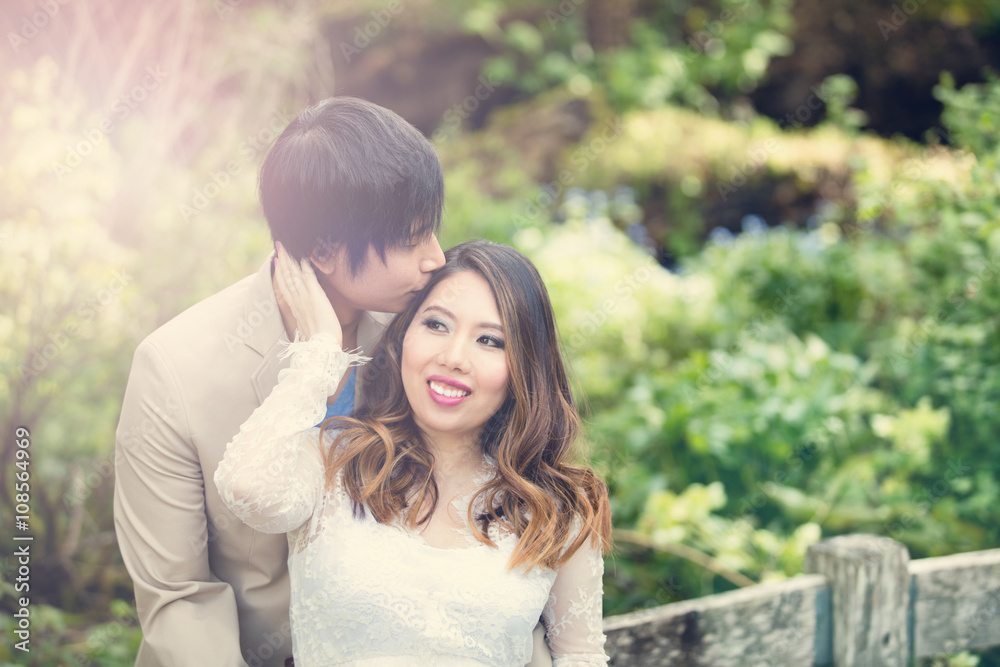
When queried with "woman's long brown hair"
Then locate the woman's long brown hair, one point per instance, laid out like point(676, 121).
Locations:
point(537, 493)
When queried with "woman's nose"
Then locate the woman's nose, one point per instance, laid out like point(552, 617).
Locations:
point(454, 355)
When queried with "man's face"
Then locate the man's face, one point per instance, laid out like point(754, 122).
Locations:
point(385, 287)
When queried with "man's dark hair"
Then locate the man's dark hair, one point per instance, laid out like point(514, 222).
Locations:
point(350, 173)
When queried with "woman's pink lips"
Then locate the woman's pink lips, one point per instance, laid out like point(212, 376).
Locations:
point(446, 400)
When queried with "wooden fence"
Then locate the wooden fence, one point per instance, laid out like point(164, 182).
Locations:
point(861, 603)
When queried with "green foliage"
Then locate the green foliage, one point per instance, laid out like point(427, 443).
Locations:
point(787, 384)
point(838, 91)
point(722, 53)
point(705, 56)
point(967, 115)
point(61, 638)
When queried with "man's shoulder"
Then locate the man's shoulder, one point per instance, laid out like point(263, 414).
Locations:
point(371, 328)
point(218, 321)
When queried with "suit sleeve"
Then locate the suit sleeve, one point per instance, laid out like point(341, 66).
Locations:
point(188, 617)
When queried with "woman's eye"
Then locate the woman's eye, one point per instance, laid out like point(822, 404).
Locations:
point(434, 325)
point(491, 341)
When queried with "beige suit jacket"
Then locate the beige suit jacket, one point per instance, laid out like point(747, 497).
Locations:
point(209, 590)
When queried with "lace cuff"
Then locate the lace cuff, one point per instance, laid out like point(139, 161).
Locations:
point(573, 616)
point(272, 474)
point(322, 355)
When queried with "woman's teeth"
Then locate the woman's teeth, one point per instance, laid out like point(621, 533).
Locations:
point(448, 390)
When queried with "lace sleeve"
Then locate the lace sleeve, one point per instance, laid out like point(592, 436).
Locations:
point(573, 614)
point(272, 474)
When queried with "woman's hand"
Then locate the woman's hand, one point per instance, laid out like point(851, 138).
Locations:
point(298, 286)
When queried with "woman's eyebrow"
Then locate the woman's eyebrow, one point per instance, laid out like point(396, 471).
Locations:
point(444, 311)
point(440, 309)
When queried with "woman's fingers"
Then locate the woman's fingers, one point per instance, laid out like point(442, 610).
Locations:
point(301, 290)
point(285, 284)
point(289, 282)
point(322, 315)
point(309, 275)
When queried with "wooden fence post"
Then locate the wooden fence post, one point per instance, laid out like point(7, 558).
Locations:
point(870, 581)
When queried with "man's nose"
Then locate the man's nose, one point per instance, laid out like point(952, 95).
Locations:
point(433, 256)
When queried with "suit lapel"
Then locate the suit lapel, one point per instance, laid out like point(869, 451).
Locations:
point(264, 331)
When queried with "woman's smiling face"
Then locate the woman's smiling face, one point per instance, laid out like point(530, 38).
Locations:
point(454, 366)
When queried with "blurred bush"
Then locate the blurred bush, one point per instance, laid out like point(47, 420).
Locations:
point(787, 384)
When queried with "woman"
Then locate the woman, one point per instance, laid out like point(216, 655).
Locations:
point(440, 523)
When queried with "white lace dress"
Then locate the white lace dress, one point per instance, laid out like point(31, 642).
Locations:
point(364, 593)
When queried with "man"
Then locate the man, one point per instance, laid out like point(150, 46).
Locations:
point(358, 191)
